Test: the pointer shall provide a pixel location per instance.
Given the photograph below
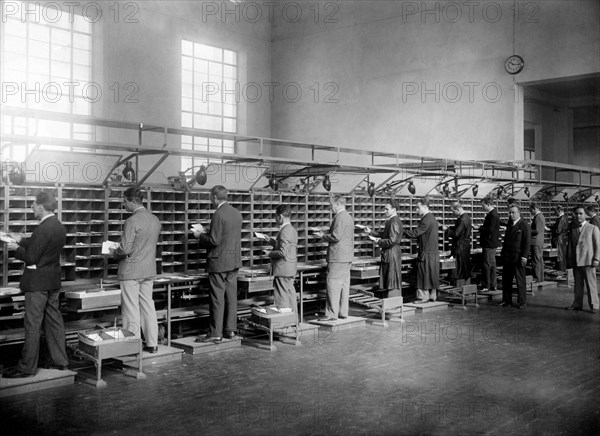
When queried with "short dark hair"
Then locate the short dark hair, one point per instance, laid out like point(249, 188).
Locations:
point(514, 206)
point(591, 208)
point(284, 210)
point(392, 202)
point(135, 193)
point(511, 201)
point(559, 208)
point(219, 192)
point(46, 200)
point(487, 201)
point(534, 205)
point(579, 206)
point(456, 205)
point(425, 201)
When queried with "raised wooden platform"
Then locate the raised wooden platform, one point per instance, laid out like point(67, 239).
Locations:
point(44, 379)
point(164, 354)
point(431, 306)
point(489, 295)
point(190, 346)
point(339, 324)
point(375, 316)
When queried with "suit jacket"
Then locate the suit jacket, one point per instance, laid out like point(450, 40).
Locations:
point(426, 233)
point(595, 220)
point(489, 232)
point(517, 241)
point(583, 248)
point(560, 229)
point(340, 238)
point(537, 229)
point(137, 249)
point(284, 253)
point(391, 238)
point(224, 240)
point(461, 232)
point(42, 250)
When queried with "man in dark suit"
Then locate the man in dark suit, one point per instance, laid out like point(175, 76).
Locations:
point(460, 234)
point(340, 253)
point(388, 240)
point(489, 234)
point(592, 213)
point(223, 242)
point(137, 268)
point(559, 232)
point(41, 282)
point(538, 225)
point(428, 258)
point(284, 258)
point(515, 249)
point(583, 255)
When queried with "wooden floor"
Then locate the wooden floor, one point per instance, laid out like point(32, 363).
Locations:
point(486, 370)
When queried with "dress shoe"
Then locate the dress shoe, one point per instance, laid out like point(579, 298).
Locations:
point(206, 338)
point(229, 335)
point(327, 319)
point(421, 301)
point(15, 373)
point(593, 310)
point(55, 366)
point(342, 317)
point(152, 350)
point(432, 300)
point(484, 290)
point(520, 306)
point(505, 304)
point(573, 308)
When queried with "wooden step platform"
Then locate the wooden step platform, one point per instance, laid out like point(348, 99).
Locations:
point(489, 295)
point(164, 354)
point(339, 324)
point(375, 316)
point(44, 379)
point(431, 306)
point(190, 346)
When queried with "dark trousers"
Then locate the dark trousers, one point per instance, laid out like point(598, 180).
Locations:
point(509, 272)
point(489, 268)
point(223, 302)
point(537, 263)
point(42, 307)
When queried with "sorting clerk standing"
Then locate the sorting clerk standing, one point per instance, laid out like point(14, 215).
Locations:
point(340, 253)
point(489, 234)
point(428, 258)
point(460, 234)
point(583, 255)
point(515, 250)
point(538, 225)
point(390, 238)
point(223, 242)
point(41, 282)
point(137, 268)
point(559, 232)
point(284, 259)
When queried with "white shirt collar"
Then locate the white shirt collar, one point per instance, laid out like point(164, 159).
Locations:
point(516, 221)
point(283, 225)
point(47, 216)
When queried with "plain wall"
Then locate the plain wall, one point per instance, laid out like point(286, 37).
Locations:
point(402, 81)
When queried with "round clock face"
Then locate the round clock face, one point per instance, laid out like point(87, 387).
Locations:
point(514, 64)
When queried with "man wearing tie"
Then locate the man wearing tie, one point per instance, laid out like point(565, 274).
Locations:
point(460, 234)
point(284, 258)
point(340, 253)
point(538, 225)
point(515, 249)
point(428, 258)
point(583, 255)
point(223, 242)
point(489, 234)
